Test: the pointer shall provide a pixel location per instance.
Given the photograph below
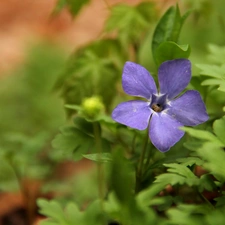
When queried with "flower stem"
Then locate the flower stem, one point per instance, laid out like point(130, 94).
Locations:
point(139, 171)
point(98, 144)
point(149, 156)
point(205, 199)
point(30, 212)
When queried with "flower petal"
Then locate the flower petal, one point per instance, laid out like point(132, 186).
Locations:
point(164, 131)
point(137, 81)
point(174, 76)
point(189, 109)
point(135, 114)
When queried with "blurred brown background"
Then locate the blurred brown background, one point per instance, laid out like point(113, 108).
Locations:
point(24, 22)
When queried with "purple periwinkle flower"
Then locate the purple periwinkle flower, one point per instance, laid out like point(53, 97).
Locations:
point(165, 110)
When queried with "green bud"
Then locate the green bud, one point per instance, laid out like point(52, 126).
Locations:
point(92, 107)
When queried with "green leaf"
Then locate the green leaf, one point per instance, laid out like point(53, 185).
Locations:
point(99, 157)
point(74, 107)
point(47, 222)
point(219, 129)
point(214, 158)
point(83, 125)
point(178, 174)
point(121, 178)
point(72, 143)
point(162, 203)
point(215, 217)
point(212, 70)
point(202, 134)
point(189, 161)
point(76, 5)
point(222, 86)
point(168, 28)
point(211, 82)
point(93, 214)
point(217, 74)
point(194, 144)
point(220, 201)
point(59, 216)
point(73, 214)
point(206, 183)
point(145, 196)
point(59, 6)
point(130, 21)
point(169, 50)
point(188, 214)
point(52, 209)
point(216, 53)
point(90, 72)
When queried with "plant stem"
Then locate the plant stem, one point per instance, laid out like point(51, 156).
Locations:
point(205, 199)
point(133, 144)
point(149, 156)
point(98, 143)
point(139, 171)
point(23, 191)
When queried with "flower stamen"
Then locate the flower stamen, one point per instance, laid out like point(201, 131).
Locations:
point(156, 107)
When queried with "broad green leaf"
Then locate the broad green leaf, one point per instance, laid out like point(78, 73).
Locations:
point(99, 157)
point(72, 143)
point(219, 129)
point(83, 125)
point(121, 178)
point(220, 201)
point(169, 50)
point(216, 216)
point(168, 28)
point(207, 183)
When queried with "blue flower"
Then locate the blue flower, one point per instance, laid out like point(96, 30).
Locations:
point(165, 111)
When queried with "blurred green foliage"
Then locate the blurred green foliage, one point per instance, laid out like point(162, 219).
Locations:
point(170, 188)
point(30, 115)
